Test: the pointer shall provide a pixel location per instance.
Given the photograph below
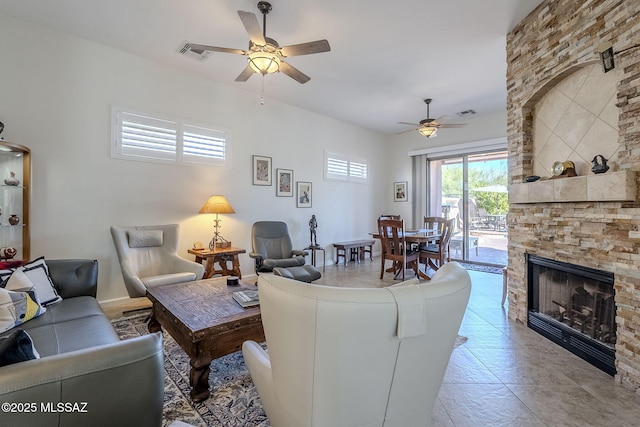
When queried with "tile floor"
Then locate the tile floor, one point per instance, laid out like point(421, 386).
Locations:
point(506, 374)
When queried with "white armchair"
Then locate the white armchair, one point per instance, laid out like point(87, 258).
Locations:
point(148, 257)
point(356, 356)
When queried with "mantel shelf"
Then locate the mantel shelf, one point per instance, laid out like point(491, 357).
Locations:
point(607, 187)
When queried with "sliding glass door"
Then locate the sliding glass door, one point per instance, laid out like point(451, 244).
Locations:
point(472, 189)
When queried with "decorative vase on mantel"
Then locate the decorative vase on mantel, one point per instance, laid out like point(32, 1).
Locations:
point(14, 219)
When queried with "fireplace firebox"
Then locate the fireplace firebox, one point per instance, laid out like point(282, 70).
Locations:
point(573, 306)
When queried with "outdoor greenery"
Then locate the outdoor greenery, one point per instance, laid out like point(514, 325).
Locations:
point(483, 174)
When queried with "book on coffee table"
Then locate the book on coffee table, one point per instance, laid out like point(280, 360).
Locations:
point(246, 298)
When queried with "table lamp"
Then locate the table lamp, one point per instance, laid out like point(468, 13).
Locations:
point(217, 205)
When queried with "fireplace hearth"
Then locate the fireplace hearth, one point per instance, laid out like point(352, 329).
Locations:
point(574, 307)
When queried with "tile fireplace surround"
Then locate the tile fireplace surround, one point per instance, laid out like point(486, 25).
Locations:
point(589, 220)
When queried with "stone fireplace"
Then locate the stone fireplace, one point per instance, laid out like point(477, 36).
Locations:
point(561, 106)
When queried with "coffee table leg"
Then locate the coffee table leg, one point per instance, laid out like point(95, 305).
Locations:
point(199, 377)
point(153, 325)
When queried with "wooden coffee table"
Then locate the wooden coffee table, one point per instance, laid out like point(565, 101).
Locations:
point(206, 322)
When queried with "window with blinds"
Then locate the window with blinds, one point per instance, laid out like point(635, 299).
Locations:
point(146, 138)
point(345, 168)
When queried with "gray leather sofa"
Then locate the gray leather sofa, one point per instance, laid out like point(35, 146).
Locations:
point(86, 375)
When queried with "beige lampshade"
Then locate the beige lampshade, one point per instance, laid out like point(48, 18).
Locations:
point(217, 205)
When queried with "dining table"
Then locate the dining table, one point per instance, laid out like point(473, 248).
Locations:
point(417, 236)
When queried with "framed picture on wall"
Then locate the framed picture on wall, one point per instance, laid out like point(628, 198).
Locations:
point(303, 194)
point(261, 170)
point(284, 183)
point(400, 191)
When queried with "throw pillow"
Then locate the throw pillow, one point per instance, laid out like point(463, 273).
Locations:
point(35, 273)
point(144, 238)
point(17, 347)
point(7, 268)
point(18, 307)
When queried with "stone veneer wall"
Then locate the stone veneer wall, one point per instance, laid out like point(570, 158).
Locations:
point(556, 39)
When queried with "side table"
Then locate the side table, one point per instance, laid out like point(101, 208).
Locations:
point(222, 256)
point(313, 250)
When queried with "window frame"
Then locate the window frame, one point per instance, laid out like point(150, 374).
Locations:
point(354, 167)
point(186, 137)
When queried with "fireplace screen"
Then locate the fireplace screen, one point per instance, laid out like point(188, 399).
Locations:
point(573, 306)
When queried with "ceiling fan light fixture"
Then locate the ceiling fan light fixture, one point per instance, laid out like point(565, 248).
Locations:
point(264, 62)
point(428, 131)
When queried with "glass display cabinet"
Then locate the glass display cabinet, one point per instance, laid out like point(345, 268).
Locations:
point(15, 180)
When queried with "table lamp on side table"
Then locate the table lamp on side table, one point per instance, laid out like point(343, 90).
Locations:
point(217, 205)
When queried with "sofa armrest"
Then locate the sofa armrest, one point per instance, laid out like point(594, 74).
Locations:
point(297, 252)
point(74, 277)
point(121, 382)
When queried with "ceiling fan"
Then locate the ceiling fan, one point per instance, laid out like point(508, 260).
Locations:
point(265, 56)
point(428, 127)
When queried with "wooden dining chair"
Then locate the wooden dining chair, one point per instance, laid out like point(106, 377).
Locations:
point(434, 255)
point(389, 216)
point(436, 223)
point(395, 248)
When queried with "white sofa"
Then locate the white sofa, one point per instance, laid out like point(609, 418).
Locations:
point(353, 356)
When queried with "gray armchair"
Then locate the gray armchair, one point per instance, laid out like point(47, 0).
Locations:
point(148, 257)
point(272, 247)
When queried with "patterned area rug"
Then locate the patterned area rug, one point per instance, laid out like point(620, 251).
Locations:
point(234, 400)
point(483, 268)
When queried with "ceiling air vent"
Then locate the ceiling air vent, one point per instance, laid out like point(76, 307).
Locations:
point(466, 113)
point(185, 49)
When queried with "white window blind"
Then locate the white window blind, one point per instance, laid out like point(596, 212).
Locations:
point(345, 168)
point(201, 143)
point(145, 138)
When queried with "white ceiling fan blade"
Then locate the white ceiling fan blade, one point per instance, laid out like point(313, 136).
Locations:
point(406, 131)
point(443, 119)
point(199, 48)
point(294, 73)
point(251, 24)
point(317, 46)
point(245, 74)
point(410, 124)
point(452, 125)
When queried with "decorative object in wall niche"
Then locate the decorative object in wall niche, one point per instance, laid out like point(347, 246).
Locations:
point(400, 191)
point(12, 180)
point(261, 170)
point(531, 178)
point(7, 252)
point(303, 194)
point(563, 169)
point(599, 164)
point(284, 183)
point(14, 219)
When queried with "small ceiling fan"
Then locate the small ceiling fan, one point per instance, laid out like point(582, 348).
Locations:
point(428, 127)
point(265, 56)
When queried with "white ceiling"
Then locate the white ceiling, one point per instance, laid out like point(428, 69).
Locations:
point(386, 56)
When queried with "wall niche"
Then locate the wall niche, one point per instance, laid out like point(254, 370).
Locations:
point(575, 117)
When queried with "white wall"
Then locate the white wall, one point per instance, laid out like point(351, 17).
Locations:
point(56, 92)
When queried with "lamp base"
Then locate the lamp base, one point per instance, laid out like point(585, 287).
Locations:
point(219, 242)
